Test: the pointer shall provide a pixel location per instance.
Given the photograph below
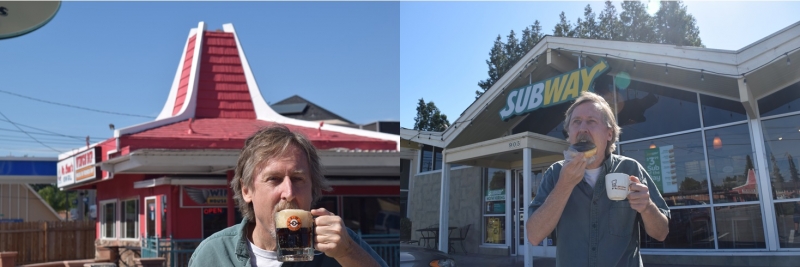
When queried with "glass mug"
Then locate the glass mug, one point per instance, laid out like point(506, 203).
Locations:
point(295, 235)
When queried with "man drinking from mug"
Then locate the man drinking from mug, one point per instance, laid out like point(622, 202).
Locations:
point(592, 229)
point(279, 169)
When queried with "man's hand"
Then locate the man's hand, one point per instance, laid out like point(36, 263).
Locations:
point(572, 173)
point(330, 235)
point(639, 196)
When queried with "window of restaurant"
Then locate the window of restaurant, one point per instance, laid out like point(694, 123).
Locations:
point(431, 158)
point(150, 216)
point(108, 215)
point(781, 133)
point(703, 165)
point(372, 215)
point(214, 220)
point(494, 206)
point(130, 218)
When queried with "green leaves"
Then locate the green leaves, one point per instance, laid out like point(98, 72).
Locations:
point(57, 199)
point(429, 118)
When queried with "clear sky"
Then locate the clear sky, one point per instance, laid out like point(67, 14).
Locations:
point(444, 45)
point(122, 57)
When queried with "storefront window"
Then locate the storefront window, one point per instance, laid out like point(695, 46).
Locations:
point(372, 215)
point(718, 111)
point(784, 101)
point(108, 225)
point(494, 206)
point(495, 193)
point(788, 217)
point(130, 218)
point(782, 139)
point(214, 220)
point(676, 164)
point(733, 176)
point(431, 158)
point(740, 227)
point(688, 228)
point(647, 110)
point(150, 216)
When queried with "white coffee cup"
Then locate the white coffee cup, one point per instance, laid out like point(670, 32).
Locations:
point(617, 186)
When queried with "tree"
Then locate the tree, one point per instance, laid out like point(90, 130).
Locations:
point(609, 25)
point(793, 175)
point(530, 36)
point(563, 28)
point(689, 184)
point(588, 26)
point(498, 60)
point(674, 25)
point(429, 118)
point(59, 200)
point(637, 25)
point(513, 51)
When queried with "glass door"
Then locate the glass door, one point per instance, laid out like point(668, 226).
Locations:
point(547, 247)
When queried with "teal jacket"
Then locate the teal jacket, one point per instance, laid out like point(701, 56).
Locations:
point(229, 248)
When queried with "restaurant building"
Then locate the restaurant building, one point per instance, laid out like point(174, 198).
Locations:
point(169, 178)
point(716, 129)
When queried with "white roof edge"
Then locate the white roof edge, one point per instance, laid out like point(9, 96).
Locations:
point(732, 59)
point(166, 111)
point(190, 101)
point(418, 136)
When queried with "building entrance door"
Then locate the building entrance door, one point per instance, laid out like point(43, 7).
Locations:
point(519, 244)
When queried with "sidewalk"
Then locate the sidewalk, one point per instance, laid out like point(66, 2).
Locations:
point(477, 260)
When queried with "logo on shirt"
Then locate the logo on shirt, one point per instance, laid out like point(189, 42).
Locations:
point(294, 223)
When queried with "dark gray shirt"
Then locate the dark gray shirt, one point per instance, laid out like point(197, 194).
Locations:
point(594, 230)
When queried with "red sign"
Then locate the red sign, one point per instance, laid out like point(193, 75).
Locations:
point(212, 211)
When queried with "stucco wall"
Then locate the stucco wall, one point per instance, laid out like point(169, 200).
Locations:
point(465, 204)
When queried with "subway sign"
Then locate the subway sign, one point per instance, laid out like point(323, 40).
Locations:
point(556, 90)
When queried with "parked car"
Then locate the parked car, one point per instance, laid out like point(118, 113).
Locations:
point(416, 256)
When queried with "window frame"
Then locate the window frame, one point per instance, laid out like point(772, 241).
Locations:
point(122, 218)
point(103, 225)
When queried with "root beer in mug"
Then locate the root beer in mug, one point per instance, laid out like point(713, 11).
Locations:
point(295, 235)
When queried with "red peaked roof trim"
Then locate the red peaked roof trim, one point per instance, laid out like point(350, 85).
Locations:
point(183, 86)
point(219, 133)
point(222, 90)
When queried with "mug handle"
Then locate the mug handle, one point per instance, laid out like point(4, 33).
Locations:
point(314, 236)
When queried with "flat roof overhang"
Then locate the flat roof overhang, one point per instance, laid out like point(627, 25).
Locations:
point(505, 152)
point(157, 161)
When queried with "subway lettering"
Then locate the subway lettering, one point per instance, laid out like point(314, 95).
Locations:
point(555, 90)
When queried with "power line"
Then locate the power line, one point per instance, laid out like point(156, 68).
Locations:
point(43, 130)
point(73, 106)
point(57, 135)
point(26, 133)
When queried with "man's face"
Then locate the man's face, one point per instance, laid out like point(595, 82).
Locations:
point(587, 124)
point(284, 182)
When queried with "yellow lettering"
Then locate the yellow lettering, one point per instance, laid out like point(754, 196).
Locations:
point(600, 66)
point(555, 90)
point(572, 86)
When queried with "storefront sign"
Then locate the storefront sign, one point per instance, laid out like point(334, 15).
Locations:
point(66, 172)
point(552, 91)
point(496, 195)
point(660, 164)
point(204, 196)
point(79, 168)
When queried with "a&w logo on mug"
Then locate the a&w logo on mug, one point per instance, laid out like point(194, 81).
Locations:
point(294, 223)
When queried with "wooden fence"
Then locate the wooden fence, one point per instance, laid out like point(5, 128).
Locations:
point(38, 242)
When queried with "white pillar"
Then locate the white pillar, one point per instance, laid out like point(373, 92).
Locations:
point(526, 189)
point(510, 210)
point(444, 205)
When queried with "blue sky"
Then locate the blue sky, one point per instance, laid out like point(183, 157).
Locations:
point(122, 57)
point(444, 45)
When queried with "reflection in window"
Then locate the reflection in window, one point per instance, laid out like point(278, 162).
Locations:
point(784, 101)
point(495, 229)
point(108, 225)
point(648, 110)
point(130, 218)
point(740, 227)
point(372, 215)
point(494, 195)
point(431, 159)
point(733, 176)
point(688, 228)
point(787, 215)
point(677, 166)
point(782, 139)
point(718, 111)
